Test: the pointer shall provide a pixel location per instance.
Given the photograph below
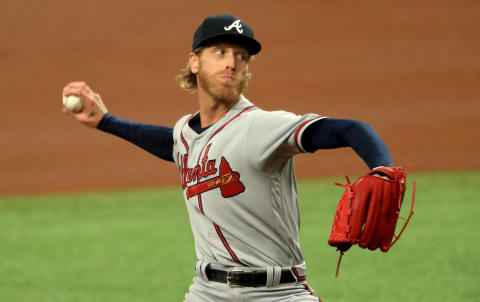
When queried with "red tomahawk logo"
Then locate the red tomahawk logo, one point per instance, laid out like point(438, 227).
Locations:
point(228, 181)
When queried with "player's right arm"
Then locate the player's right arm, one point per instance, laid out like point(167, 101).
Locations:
point(157, 140)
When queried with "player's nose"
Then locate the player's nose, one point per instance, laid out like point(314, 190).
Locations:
point(230, 62)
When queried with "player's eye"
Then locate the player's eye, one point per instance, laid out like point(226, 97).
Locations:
point(242, 56)
point(220, 52)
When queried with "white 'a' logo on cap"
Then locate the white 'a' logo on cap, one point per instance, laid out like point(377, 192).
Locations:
point(236, 24)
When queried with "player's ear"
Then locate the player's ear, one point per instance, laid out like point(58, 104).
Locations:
point(193, 61)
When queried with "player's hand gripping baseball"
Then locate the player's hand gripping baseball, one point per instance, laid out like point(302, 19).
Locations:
point(93, 107)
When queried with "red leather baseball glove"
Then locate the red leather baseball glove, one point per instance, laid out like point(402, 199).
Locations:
point(368, 211)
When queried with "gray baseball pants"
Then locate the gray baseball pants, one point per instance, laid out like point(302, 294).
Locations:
point(208, 291)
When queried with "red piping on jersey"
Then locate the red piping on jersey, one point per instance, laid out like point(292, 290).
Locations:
point(217, 228)
point(300, 128)
point(297, 275)
point(223, 126)
point(200, 203)
point(181, 133)
point(308, 288)
point(311, 291)
point(225, 243)
point(194, 188)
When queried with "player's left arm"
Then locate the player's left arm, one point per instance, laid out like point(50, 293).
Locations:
point(329, 133)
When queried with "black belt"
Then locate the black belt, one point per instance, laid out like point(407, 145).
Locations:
point(238, 277)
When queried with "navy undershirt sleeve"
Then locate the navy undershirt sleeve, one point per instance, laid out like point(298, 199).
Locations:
point(157, 140)
point(323, 134)
point(332, 133)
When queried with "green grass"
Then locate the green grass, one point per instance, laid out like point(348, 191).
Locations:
point(435, 260)
point(124, 246)
point(137, 246)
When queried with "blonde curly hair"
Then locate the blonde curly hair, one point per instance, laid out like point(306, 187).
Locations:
point(188, 80)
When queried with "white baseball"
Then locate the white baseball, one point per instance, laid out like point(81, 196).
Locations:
point(72, 103)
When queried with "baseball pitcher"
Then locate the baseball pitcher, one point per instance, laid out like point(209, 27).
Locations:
point(235, 163)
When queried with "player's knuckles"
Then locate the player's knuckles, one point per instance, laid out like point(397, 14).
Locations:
point(72, 90)
point(84, 87)
point(67, 90)
point(74, 85)
point(80, 84)
point(75, 88)
point(88, 93)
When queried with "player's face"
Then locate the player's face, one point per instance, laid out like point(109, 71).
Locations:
point(222, 71)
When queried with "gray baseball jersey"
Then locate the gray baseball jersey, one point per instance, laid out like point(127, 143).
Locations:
point(239, 186)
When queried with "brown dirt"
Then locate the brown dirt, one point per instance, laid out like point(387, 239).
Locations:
point(410, 68)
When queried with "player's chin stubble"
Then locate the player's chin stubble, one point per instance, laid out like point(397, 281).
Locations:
point(222, 92)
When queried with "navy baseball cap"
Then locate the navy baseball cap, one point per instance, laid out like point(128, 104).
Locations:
point(229, 28)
